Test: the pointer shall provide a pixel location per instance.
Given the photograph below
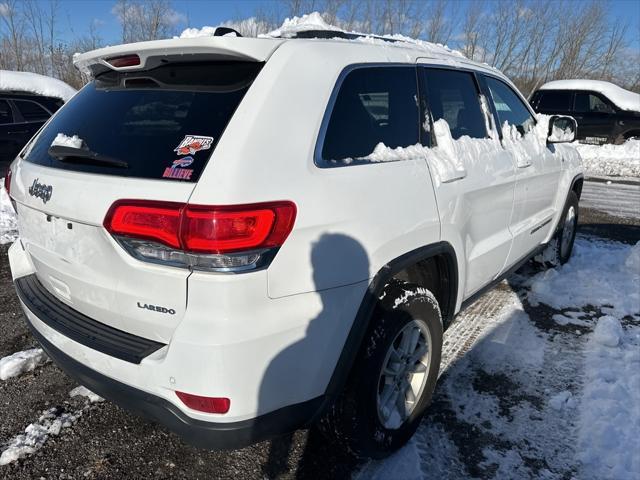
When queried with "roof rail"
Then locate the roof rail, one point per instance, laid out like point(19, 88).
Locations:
point(338, 34)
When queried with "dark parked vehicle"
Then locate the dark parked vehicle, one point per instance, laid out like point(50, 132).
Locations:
point(605, 113)
point(21, 115)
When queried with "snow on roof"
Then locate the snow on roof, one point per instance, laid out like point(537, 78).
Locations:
point(314, 22)
point(35, 83)
point(291, 26)
point(622, 98)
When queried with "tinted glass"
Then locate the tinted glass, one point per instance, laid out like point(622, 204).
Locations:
point(374, 105)
point(554, 101)
point(510, 107)
point(587, 102)
point(5, 112)
point(453, 96)
point(164, 123)
point(31, 111)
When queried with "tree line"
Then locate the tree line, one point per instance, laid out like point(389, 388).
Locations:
point(531, 41)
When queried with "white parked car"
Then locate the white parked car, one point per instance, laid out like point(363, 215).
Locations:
point(240, 237)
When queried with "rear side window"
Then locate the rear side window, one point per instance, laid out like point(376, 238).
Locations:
point(31, 111)
point(509, 106)
point(453, 96)
point(5, 112)
point(161, 123)
point(374, 105)
point(554, 101)
point(590, 103)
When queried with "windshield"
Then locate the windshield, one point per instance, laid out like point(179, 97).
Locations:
point(162, 123)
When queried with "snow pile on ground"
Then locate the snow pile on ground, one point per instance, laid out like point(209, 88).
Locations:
point(608, 332)
point(51, 422)
point(8, 221)
point(63, 140)
point(564, 399)
point(604, 272)
point(85, 392)
point(622, 98)
point(608, 439)
point(21, 362)
point(611, 160)
point(35, 83)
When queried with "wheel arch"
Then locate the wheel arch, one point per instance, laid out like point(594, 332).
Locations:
point(417, 265)
point(631, 134)
point(576, 185)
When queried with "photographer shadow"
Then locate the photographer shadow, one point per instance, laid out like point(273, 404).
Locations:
point(331, 255)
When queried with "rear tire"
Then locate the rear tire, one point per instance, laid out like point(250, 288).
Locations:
point(394, 376)
point(559, 250)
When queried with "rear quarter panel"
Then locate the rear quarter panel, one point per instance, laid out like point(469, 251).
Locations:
point(351, 220)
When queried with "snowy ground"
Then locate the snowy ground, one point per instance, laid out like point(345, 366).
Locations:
point(540, 379)
point(550, 387)
point(8, 224)
point(618, 199)
point(611, 160)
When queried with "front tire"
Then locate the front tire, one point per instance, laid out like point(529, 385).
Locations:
point(394, 377)
point(559, 250)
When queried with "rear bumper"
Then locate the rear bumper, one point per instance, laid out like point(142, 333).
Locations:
point(196, 432)
point(272, 357)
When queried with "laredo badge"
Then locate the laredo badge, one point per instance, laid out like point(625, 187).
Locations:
point(178, 171)
point(191, 144)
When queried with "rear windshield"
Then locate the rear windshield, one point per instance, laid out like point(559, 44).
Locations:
point(162, 123)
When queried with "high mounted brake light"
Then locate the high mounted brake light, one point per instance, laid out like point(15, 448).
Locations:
point(131, 60)
point(226, 238)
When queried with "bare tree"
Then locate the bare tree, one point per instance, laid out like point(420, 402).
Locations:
point(13, 24)
point(146, 20)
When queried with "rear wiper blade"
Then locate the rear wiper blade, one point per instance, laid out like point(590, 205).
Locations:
point(83, 155)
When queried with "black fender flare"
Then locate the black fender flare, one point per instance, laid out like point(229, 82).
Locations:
point(577, 178)
point(363, 316)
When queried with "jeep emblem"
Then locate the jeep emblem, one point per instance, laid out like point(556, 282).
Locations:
point(40, 190)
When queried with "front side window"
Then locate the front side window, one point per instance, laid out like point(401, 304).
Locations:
point(510, 108)
point(5, 112)
point(554, 101)
point(31, 111)
point(374, 105)
point(453, 97)
point(590, 103)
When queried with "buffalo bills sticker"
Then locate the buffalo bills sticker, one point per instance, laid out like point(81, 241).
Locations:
point(192, 144)
point(177, 170)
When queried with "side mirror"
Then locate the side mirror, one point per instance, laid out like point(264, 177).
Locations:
point(562, 129)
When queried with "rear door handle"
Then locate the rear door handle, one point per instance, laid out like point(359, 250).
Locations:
point(524, 164)
point(18, 132)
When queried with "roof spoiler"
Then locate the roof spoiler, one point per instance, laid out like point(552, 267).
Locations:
point(151, 54)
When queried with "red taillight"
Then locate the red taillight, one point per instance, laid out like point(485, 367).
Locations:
point(7, 182)
point(205, 404)
point(233, 229)
point(124, 61)
point(158, 221)
point(203, 229)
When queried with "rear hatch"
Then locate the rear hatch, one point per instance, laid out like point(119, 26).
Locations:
point(134, 134)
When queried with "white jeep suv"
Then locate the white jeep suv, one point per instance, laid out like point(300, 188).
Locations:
point(240, 237)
